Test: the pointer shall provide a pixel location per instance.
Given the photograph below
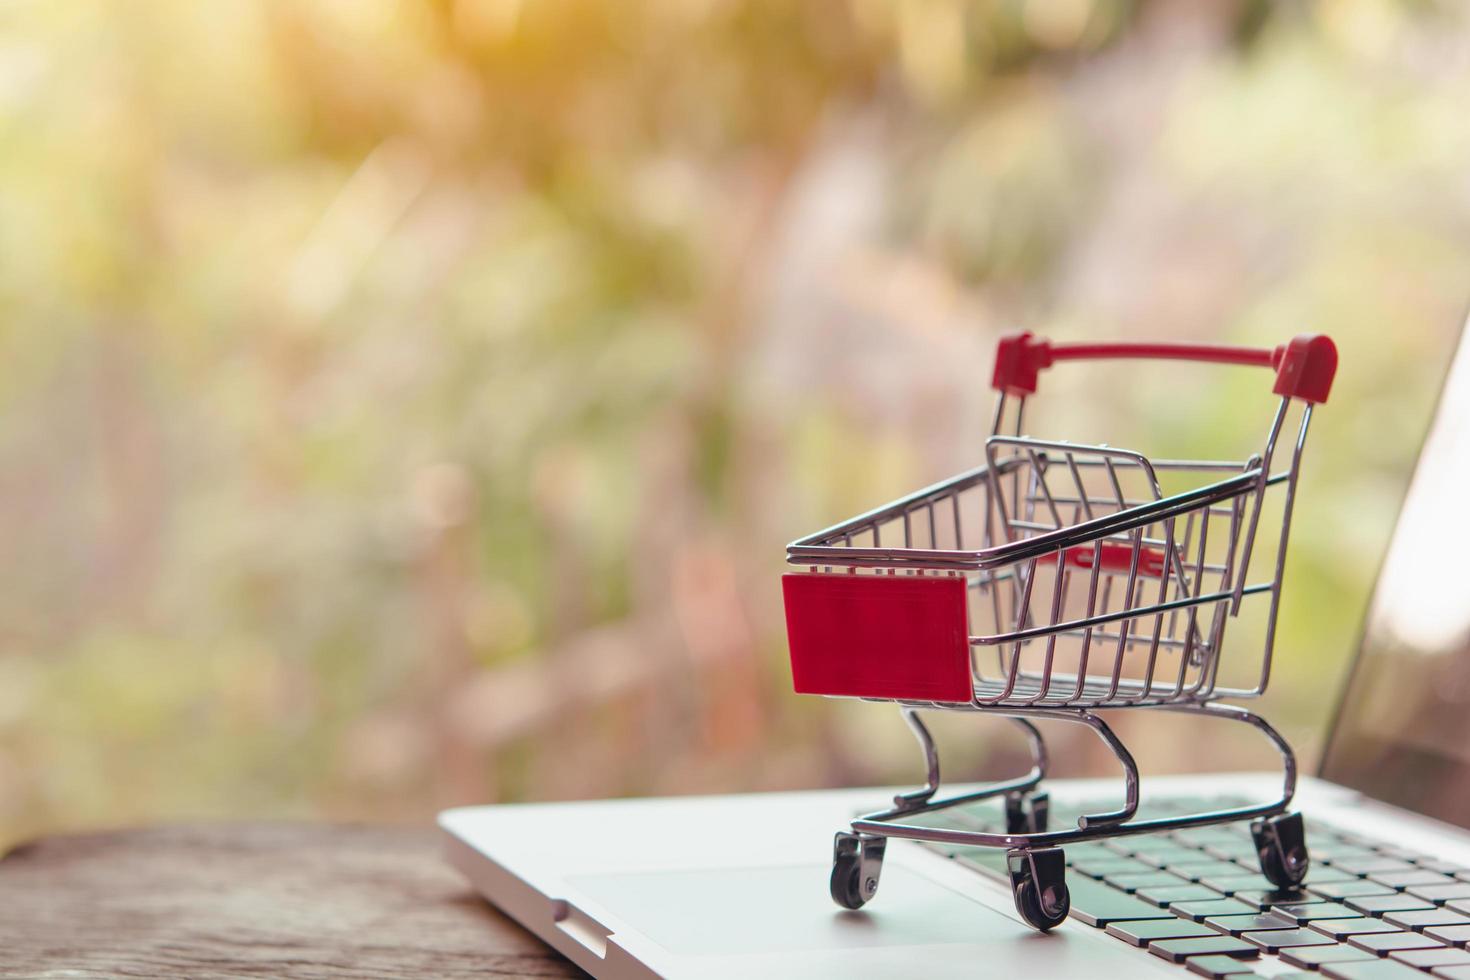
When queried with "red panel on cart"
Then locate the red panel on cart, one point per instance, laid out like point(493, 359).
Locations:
point(879, 636)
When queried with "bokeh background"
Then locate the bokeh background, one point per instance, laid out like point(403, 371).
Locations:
point(406, 403)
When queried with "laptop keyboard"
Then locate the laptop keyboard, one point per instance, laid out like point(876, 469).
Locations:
point(1196, 897)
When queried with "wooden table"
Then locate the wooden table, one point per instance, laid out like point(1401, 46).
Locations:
point(230, 900)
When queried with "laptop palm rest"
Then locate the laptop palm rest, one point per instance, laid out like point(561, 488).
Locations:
point(654, 892)
point(731, 911)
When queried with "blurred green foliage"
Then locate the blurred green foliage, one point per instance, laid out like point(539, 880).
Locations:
point(406, 402)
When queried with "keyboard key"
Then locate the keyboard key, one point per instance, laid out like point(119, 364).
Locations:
point(1197, 836)
point(1450, 972)
point(1438, 864)
point(1097, 905)
point(1154, 844)
point(1323, 874)
point(1453, 935)
point(1331, 853)
point(1209, 804)
point(1093, 852)
point(1170, 894)
point(1242, 882)
point(1417, 920)
point(1375, 864)
point(1237, 850)
point(1099, 867)
point(1279, 939)
point(1096, 849)
point(1176, 861)
point(1234, 925)
point(1327, 832)
point(1169, 857)
point(1439, 894)
point(1211, 869)
point(1348, 889)
point(1383, 943)
point(1143, 931)
point(1402, 853)
point(1267, 900)
point(1151, 844)
point(989, 861)
point(1429, 959)
point(1340, 929)
point(1133, 882)
point(1316, 910)
point(1371, 970)
point(1179, 950)
point(1312, 957)
point(1218, 967)
point(1200, 911)
point(1378, 904)
point(1198, 856)
point(1403, 879)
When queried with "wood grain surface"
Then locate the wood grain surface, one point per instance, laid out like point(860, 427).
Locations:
point(245, 900)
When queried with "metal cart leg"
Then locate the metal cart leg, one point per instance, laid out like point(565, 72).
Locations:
point(1034, 856)
point(1026, 811)
point(920, 799)
point(1130, 773)
point(1280, 836)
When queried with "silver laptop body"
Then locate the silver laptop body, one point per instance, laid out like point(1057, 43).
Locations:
point(737, 885)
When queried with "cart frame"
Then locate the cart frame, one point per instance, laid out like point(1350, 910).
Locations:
point(910, 598)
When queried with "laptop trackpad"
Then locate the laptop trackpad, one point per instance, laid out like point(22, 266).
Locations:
point(730, 911)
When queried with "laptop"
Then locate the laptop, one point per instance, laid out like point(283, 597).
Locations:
point(738, 886)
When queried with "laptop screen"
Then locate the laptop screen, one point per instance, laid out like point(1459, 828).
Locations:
point(1403, 728)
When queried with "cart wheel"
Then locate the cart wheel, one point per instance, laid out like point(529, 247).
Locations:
point(1026, 812)
point(856, 864)
point(1281, 845)
point(1039, 886)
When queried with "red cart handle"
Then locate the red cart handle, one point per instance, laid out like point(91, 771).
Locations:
point(1304, 366)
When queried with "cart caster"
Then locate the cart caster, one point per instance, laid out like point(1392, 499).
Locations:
point(1281, 845)
point(1026, 812)
point(1039, 886)
point(857, 862)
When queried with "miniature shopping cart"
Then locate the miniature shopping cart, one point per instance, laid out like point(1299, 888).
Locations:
point(1055, 581)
